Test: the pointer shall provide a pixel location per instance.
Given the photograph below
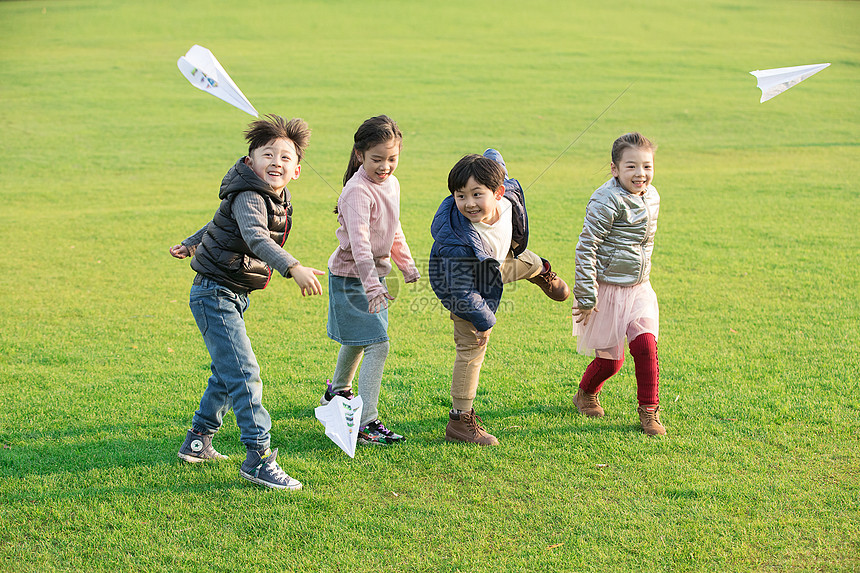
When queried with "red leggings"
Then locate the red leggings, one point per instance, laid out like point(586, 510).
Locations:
point(643, 348)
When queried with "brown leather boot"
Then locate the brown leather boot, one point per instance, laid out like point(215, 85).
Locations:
point(649, 417)
point(467, 428)
point(588, 404)
point(551, 284)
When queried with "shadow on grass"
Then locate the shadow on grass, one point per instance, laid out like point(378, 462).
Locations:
point(555, 421)
point(97, 454)
point(90, 469)
point(53, 454)
point(214, 485)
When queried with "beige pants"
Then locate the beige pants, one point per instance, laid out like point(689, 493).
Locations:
point(470, 356)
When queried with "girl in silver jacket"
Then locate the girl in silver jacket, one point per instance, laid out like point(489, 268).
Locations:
point(614, 298)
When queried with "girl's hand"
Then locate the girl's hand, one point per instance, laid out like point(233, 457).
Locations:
point(180, 251)
point(306, 279)
point(379, 303)
point(484, 336)
point(584, 314)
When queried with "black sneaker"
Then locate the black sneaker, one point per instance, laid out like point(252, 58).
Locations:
point(375, 434)
point(198, 448)
point(262, 469)
point(329, 395)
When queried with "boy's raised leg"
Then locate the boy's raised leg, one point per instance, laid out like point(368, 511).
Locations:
point(537, 270)
point(550, 283)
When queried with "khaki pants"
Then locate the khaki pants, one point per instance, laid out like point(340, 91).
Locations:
point(470, 356)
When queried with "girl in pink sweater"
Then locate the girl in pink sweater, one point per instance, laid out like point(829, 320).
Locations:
point(369, 238)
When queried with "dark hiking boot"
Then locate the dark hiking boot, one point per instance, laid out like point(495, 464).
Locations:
point(588, 404)
point(466, 427)
point(649, 417)
point(551, 284)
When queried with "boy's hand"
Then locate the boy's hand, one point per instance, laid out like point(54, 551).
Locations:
point(584, 314)
point(484, 336)
point(180, 251)
point(306, 279)
point(379, 303)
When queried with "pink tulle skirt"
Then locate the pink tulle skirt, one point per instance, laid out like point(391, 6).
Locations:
point(621, 312)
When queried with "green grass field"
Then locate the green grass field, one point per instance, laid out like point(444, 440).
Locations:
point(110, 157)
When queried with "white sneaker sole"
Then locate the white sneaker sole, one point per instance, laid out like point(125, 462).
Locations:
point(196, 460)
point(293, 485)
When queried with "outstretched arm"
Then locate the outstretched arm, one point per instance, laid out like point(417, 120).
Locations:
point(250, 212)
point(180, 251)
point(306, 279)
point(187, 247)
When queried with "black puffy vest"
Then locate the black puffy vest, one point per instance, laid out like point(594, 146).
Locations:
point(223, 256)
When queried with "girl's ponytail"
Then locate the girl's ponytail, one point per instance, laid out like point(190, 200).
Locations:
point(353, 165)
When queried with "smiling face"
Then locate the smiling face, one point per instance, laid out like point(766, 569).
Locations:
point(380, 161)
point(635, 170)
point(276, 163)
point(478, 203)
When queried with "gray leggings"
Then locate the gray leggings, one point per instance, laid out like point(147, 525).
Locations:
point(369, 378)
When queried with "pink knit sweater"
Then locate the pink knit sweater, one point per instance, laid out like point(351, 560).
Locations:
point(370, 233)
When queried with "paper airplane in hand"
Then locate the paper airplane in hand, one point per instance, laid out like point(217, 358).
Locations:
point(203, 71)
point(774, 82)
point(341, 418)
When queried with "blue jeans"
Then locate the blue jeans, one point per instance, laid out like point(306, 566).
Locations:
point(235, 380)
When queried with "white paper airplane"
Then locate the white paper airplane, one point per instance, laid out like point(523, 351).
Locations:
point(341, 418)
point(204, 72)
point(774, 82)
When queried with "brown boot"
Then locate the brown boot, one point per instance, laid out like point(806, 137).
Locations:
point(649, 417)
point(551, 284)
point(466, 427)
point(587, 404)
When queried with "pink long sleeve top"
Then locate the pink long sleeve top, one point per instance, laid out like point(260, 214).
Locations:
point(370, 235)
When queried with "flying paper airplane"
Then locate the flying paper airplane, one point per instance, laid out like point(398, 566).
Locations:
point(341, 418)
point(205, 72)
point(774, 82)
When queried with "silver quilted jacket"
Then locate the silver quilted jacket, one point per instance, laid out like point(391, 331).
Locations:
point(616, 241)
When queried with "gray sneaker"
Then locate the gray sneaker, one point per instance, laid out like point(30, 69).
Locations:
point(262, 469)
point(198, 448)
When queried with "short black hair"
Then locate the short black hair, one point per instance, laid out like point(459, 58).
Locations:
point(485, 171)
point(262, 131)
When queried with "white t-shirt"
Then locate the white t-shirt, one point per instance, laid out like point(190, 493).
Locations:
point(498, 236)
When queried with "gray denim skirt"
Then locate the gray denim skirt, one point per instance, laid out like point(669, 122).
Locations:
point(348, 320)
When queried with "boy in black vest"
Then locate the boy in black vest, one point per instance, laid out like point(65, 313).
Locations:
point(234, 254)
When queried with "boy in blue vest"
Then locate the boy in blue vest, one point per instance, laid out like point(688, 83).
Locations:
point(480, 235)
point(234, 254)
